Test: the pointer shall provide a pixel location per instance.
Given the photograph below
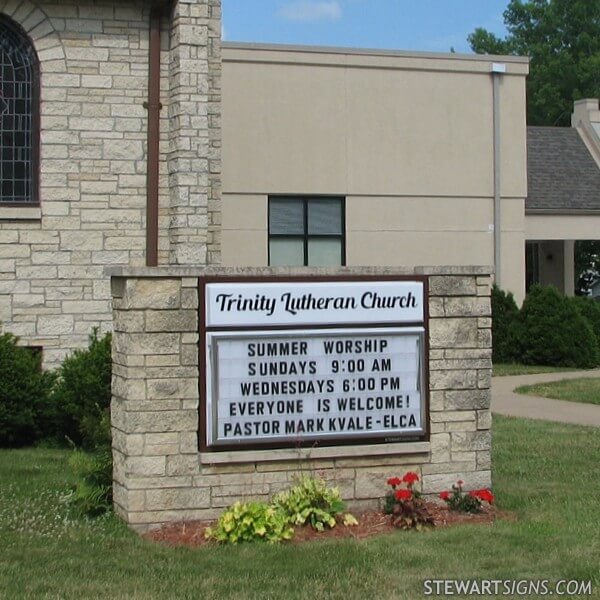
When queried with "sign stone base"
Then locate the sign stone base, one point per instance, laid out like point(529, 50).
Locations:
point(160, 475)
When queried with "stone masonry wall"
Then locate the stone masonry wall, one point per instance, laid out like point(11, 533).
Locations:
point(94, 82)
point(159, 474)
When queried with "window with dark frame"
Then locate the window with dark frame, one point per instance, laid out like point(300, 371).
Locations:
point(19, 106)
point(306, 231)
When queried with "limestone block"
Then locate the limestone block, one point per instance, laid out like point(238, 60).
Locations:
point(467, 399)
point(452, 380)
point(127, 444)
point(436, 307)
point(189, 355)
point(147, 343)
point(453, 415)
point(455, 465)
point(131, 321)
point(158, 444)
point(171, 320)
point(434, 484)
point(453, 333)
point(159, 421)
point(189, 298)
point(471, 440)
point(81, 240)
point(172, 388)
point(221, 502)
point(145, 466)
point(187, 464)
point(467, 307)
point(372, 482)
point(177, 498)
point(155, 483)
point(484, 338)
point(461, 426)
point(55, 325)
point(127, 388)
point(162, 360)
point(130, 500)
point(152, 293)
point(452, 286)
point(188, 444)
point(469, 353)
point(484, 378)
point(436, 401)
point(461, 363)
point(484, 419)
point(484, 459)
point(247, 490)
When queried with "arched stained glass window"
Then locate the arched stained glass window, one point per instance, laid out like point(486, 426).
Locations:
point(19, 116)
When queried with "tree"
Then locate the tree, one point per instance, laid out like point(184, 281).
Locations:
point(562, 37)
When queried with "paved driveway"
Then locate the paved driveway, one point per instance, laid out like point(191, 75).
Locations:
point(506, 402)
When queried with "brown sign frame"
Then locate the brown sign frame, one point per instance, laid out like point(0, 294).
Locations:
point(337, 441)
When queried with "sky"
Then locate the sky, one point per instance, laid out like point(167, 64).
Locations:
point(429, 25)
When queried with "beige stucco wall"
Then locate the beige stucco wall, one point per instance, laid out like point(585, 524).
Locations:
point(406, 138)
point(562, 227)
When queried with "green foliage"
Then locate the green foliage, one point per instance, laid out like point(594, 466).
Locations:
point(587, 263)
point(310, 501)
point(250, 522)
point(92, 494)
point(411, 514)
point(458, 501)
point(505, 314)
point(24, 390)
point(590, 310)
point(562, 37)
point(82, 394)
point(553, 332)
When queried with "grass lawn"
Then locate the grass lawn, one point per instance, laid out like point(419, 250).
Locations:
point(547, 473)
point(586, 389)
point(504, 369)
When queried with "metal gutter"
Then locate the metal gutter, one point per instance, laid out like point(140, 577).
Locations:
point(498, 69)
point(153, 106)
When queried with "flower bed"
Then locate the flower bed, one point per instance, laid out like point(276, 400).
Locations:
point(370, 523)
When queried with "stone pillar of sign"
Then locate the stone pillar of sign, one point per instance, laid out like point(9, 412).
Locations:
point(194, 163)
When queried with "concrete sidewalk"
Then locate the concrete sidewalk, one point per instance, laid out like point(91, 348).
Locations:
point(506, 402)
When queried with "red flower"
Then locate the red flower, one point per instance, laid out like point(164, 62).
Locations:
point(410, 477)
point(394, 481)
point(485, 495)
point(403, 495)
point(460, 483)
point(445, 496)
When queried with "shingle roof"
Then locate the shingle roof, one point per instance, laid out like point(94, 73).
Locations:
point(561, 173)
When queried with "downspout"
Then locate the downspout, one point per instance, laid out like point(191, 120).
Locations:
point(153, 106)
point(497, 70)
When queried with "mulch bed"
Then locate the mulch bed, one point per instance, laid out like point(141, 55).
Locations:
point(370, 523)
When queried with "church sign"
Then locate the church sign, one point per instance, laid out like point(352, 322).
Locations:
point(305, 362)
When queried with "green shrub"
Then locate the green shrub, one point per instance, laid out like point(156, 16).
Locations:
point(92, 494)
point(310, 501)
point(590, 310)
point(82, 394)
point(24, 390)
point(505, 314)
point(554, 333)
point(249, 522)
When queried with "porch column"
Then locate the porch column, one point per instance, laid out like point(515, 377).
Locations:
point(569, 267)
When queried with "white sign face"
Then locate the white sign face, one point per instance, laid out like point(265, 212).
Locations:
point(304, 385)
point(314, 303)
